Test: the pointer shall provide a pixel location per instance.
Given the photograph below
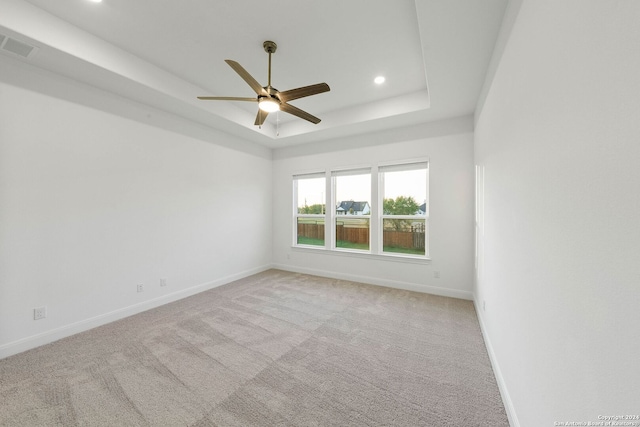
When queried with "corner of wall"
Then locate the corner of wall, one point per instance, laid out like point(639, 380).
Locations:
point(502, 386)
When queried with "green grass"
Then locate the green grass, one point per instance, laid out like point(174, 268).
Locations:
point(349, 245)
point(359, 246)
point(310, 241)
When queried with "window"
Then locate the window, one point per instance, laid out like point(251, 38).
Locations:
point(352, 218)
point(309, 191)
point(404, 208)
point(380, 210)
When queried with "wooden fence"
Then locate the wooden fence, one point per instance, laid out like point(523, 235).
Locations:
point(410, 239)
point(352, 234)
point(404, 239)
point(313, 231)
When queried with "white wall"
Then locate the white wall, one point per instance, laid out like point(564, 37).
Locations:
point(450, 152)
point(92, 204)
point(559, 141)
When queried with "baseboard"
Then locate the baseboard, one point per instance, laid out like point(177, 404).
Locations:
point(50, 336)
point(407, 286)
point(47, 337)
point(502, 386)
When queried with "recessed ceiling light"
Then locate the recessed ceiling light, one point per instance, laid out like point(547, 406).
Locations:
point(96, 1)
point(379, 80)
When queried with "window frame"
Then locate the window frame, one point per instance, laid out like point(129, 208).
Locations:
point(297, 215)
point(352, 171)
point(408, 165)
point(376, 217)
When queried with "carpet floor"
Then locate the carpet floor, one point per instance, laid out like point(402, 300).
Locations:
point(273, 349)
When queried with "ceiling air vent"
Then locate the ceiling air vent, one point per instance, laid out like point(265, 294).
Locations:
point(16, 47)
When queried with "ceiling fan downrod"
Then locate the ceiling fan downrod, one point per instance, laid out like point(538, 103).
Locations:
point(269, 47)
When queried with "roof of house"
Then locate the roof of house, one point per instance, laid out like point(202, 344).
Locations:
point(350, 204)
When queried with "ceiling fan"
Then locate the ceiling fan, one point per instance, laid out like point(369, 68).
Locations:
point(270, 99)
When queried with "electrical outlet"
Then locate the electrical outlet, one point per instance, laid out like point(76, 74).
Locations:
point(39, 313)
point(436, 274)
point(140, 288)
point(163, 282)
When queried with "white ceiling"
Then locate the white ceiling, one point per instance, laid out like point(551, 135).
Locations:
point(163, 53)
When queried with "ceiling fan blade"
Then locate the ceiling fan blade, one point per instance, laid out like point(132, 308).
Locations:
point(301, 92)
point(298, 112)
point(246, 77)
point(261, 117)
point(226, 98)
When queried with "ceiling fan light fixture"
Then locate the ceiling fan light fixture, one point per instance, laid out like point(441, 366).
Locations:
point(269, 98)
point(268, 105)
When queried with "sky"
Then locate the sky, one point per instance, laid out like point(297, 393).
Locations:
point(358, 187)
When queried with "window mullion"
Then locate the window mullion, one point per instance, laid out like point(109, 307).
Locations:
point(374, 222)
point(294, 229)
point(330, 228)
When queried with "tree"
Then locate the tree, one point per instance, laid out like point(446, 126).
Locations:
point(401, 205)
point(313, 209)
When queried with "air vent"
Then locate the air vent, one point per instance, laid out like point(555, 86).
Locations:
point(16, 47)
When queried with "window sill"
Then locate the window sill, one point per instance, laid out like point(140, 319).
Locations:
point(362, 255)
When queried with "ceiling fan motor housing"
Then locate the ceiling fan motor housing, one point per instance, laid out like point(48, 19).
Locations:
point(269, 46)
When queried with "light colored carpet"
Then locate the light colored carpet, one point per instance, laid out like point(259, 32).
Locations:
point(274, 349)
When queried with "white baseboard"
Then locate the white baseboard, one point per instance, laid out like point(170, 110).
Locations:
point(50, 336)
point(407, 286)
point(47, 337)
point(502, 386)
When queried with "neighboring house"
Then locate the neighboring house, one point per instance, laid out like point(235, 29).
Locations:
point(422, 209)
point(353, 208)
